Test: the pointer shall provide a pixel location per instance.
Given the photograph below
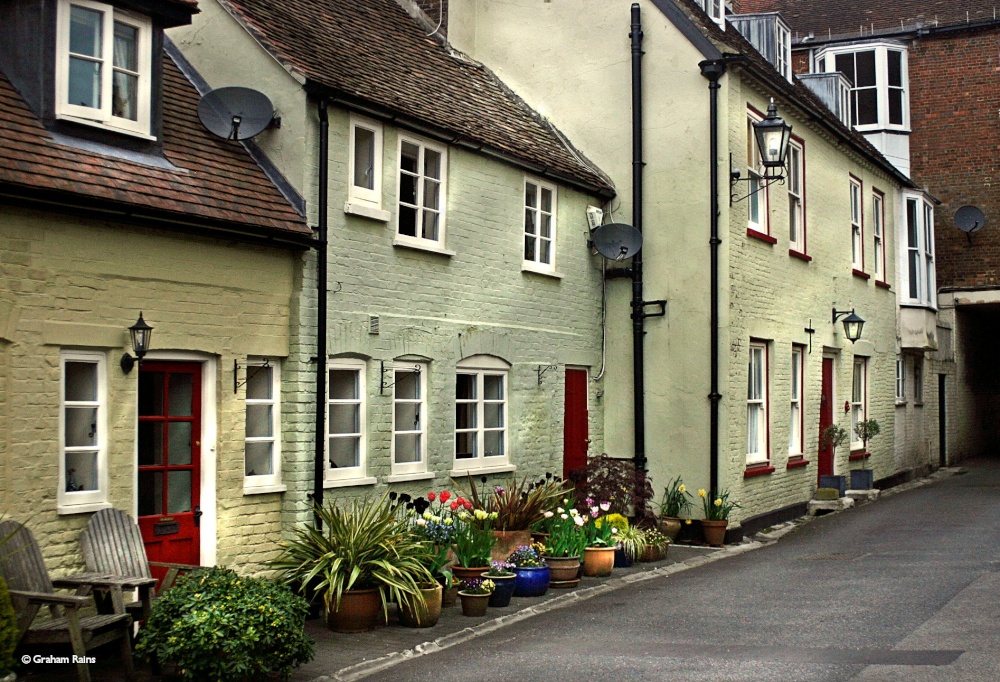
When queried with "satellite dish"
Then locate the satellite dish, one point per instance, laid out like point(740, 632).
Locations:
point(616, 241)
point(235, 113)
point(970, 219)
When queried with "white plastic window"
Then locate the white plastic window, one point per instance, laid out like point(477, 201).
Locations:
point(422, 190)
point(878, 230)
point(365, 162)
point(857, 234)
point(859, 399)
point(481, 414)
point(83, 465)
point(539, 225)
point(262, 445)
point(757, 420)
point(795, 410)
point(409, 418)
point(346, 420)
point(796, 191)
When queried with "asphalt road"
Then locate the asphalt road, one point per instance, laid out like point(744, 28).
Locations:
point(906, 588)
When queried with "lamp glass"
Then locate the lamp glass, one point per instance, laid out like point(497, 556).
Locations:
point(853, 324)
point(141, 334)
point(772, 135)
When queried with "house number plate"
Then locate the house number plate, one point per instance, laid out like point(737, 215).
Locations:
point(166, 528)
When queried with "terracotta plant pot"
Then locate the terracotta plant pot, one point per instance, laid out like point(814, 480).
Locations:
point(474, 605)
point(598, 561)
point(503, 592)
point(416, 616)
point(564, 572)
point(539, 537)
point(359, 609)
point(715, 532)
point(670, 526)
point(449, 597)
point(508, 541)
point(652, 553)
point(471, 573)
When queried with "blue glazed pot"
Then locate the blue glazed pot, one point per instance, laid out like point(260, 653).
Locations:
point(531, 582)
point(503, 592)
point(622, 558)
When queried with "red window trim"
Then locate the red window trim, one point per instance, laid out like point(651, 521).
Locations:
point(755, 470)
point(859, 273)
point(762, 236)
point(858, 455)
point(767, 407)
point(861, 219)
point(885, 266)
point(883, 285)
point(798, 254)
point(802, 190)
point(802, 393)
point(797, 463)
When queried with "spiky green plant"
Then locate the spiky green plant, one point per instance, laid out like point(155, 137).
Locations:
point(360, 546)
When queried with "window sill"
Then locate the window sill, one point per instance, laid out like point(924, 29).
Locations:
point(761, 236)
point(916, 404)
point(797, 463)
point(264, 489)
point(540, 270)
point(423, 247)
point(402, 478)
point(479, 471)
point(900, 403)
point(798, 254)
point(64, 509)
point(105, 126)
point(884, 285)
point(348, 482)
point(860, 274)
point(370, 212)
point(755, 470)
point(858, 456)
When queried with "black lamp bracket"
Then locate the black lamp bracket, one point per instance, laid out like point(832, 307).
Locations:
point(128, 362)
point(837, 314)
point(766, 181)
point(542, 369)
point(249, 375)
point(383, 384)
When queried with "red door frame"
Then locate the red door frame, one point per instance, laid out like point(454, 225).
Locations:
point(576, 417)
point(825, 464)
point(170, 537)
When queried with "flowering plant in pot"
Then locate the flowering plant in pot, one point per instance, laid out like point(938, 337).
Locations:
point(599, 554)
point(675, 503)
point(473, 543)
point(628, 491)
point(717, 508)
point(503, 577)
point(566, 543)
point(475, 594)
point(657, 545)
point(532, 572)
point(630, 543)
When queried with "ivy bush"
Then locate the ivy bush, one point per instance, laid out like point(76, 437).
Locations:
point(217, 625)
point(8, 630)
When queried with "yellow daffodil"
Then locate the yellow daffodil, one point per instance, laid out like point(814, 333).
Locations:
point(702, 493)
point(682, 488)
point(718, 502)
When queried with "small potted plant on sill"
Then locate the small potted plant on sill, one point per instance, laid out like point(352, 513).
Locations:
point(475, 594)
point(564, 549)
point(833, 437)
point(717, 508)
point(531, 570)
point(503, 577)
point(864, 478)
point(675, 503)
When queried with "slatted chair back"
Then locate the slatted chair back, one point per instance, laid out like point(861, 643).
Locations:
point(23, 569)
point(112, 543)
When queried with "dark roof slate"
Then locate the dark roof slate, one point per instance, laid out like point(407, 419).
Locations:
point(859, 18)
point(215, 180)
point(374, 52)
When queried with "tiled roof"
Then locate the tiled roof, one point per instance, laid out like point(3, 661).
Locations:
point(732, 42)
point(860, 18)
point(215, 181)
point(373, 52)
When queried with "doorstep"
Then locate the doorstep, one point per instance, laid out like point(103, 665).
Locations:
point(816, 506)
point(863, 495)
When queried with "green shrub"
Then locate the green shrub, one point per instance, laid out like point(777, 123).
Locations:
point(8, 630)
point(217, 625)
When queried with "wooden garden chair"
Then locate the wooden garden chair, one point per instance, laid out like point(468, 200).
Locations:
point(112, 544)
point(23, 569)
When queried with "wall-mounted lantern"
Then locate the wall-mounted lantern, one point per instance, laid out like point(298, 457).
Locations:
point(141, 334)
point(771, 137)
point(853, 323)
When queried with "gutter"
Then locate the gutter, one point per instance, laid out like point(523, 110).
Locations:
point(909, 33)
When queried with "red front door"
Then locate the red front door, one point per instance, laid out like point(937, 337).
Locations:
point(575, 422)
point(170, 461)
point(825, 467)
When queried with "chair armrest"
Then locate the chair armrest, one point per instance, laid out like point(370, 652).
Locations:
point(52, 598)
point(179, 567)
point(103, 580)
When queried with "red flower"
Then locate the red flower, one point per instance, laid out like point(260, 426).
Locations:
point(461, 500)
point(432, 497)
point(454, 505)
point(468, 505)
point(445, 496)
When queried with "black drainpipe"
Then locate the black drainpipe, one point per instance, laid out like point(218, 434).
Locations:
point(638, 309)
point(713, 70)
point(321, 254)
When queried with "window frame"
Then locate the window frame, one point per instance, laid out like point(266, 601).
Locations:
point(272, 480)
point(900, 378)
point(103, 117)
point(764, 423)
point(797, 201)
point(796, 421)
point(356, 193)
point(827, 57)
point(857, 204)
point(859, 399)
point(783, 49)
point(536, 264)
point(84, 500)
point(918, 380)
point(420, 369)
point(916, 253)
point(418, 241)
point(331, 474)
point(480, 367)
point(878, 234)
point(759, 192)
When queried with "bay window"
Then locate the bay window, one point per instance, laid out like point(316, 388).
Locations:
point(879, 76)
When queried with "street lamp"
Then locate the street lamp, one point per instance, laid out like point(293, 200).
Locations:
point(853, 323)
point(141, 334)
point(771, 136)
